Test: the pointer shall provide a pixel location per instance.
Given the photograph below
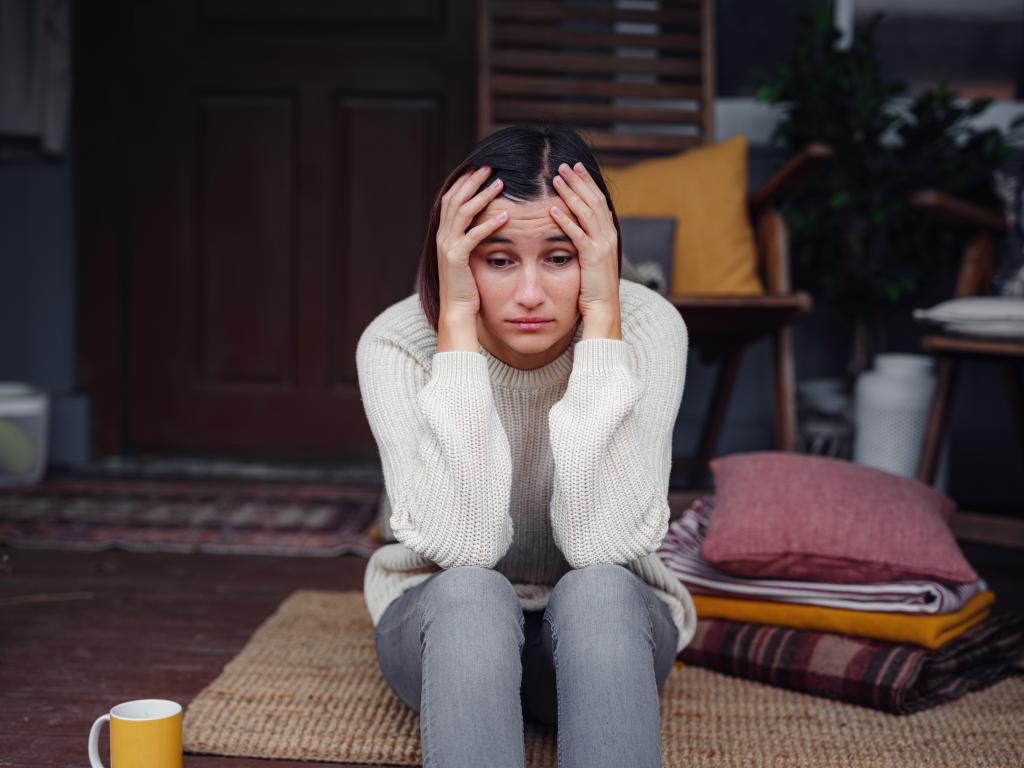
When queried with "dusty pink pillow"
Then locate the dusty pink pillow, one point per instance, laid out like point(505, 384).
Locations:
point(811, 518)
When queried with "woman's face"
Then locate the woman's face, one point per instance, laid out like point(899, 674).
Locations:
point(527, 268)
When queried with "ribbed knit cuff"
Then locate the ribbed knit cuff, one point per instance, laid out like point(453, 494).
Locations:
point(459, 368)
point(601, 354)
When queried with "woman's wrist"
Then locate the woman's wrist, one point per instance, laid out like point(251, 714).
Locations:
point(602, 325)
point(457, 334)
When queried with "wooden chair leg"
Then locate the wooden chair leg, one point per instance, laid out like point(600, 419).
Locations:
point(712, 427)
point(938, 419)
point(1015, 390)
point(785, 391)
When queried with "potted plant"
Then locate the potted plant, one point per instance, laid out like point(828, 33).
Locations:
point(858, 245)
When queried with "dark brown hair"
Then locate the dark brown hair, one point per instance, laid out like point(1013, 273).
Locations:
point(526, 158)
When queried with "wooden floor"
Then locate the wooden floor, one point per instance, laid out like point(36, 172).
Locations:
point(80, 632)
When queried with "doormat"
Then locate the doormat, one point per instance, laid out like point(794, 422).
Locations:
point(188, 516)
point(307, 686)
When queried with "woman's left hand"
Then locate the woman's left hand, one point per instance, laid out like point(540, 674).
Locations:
point(596, 242)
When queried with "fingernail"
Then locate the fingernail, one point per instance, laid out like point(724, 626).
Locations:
point(579, 167)
point(496, 183)
point(556, 210)
point(502, 216)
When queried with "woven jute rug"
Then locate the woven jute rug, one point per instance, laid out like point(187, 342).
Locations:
point(307, 686)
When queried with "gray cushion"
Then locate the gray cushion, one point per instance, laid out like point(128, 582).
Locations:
point(647, 248)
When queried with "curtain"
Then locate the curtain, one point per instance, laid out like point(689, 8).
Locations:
point(35, 76)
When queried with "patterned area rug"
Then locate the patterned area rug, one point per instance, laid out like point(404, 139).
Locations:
point(307, 686)
point(227, 516)
point(355, 471)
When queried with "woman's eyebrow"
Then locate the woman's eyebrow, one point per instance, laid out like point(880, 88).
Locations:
point(551, 239)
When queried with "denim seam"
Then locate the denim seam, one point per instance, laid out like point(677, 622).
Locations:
point(425, 743)
point(558, 695)
point(376, 647)
point(650, 621)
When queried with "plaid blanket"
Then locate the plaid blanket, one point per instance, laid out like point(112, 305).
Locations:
point(900, 679)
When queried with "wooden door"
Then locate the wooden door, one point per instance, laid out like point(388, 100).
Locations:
point(271, 171)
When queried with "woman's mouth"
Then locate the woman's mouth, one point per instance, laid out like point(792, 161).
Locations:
point(529, 324)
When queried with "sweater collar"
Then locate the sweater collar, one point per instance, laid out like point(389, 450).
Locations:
point(508, 377)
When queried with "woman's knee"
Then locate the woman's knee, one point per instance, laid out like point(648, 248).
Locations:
point(597, 602)
point(474, 591)
point(597, 586)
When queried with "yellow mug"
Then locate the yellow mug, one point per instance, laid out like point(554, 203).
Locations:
point(145, 733)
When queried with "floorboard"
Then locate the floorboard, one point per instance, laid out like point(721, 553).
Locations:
point(81, 631)
point(134, 626)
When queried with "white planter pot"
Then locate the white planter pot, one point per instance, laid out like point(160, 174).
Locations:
point(891, 407)
point(24, 422)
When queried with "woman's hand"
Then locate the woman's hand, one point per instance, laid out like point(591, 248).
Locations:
point(596, 241)
point(460, 299)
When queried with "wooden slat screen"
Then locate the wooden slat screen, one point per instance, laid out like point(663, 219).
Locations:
point(636, 78)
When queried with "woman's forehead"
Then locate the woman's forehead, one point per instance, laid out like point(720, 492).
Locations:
point(527, 220)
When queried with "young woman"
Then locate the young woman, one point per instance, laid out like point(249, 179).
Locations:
point(523, 403)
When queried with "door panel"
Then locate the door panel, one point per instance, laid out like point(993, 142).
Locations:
point(277, 169)
point(384, 257)
point(245, 244)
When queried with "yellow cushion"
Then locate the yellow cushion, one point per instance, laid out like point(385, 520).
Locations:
point(705, 189)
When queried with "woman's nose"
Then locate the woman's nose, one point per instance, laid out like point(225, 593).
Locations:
point(529, 289)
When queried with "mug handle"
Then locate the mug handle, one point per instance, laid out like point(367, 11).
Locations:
point(94, 741)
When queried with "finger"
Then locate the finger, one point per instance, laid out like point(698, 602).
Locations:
point(589, 183)
point(483, 229)
point(461, 181)
point(446, 206)
point(468, 211)
point(582, 185)
point(584, 213)
point(469, 184)
point(460, 191)
point(570, 227)
point(454, 189)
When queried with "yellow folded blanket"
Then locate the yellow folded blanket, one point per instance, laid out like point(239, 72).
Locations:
point(930, 630)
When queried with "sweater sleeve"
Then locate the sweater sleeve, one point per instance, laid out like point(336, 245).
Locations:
point(611, 440)
point(444, 452)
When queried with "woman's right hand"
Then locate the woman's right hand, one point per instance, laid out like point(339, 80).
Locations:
point(460, 299)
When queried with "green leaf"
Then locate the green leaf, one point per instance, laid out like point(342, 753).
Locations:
point(856, 241)
point(838, 200)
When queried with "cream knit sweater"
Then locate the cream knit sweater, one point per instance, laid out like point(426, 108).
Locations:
point(529, 472)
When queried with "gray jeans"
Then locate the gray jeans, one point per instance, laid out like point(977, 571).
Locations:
point(459, 650)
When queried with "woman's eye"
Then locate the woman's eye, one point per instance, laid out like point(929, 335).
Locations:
point(565, 259)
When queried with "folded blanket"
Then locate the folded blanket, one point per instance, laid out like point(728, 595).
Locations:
point(932, 631)
point(897, 678)
point(680, 551)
